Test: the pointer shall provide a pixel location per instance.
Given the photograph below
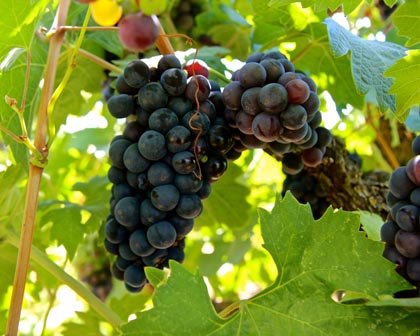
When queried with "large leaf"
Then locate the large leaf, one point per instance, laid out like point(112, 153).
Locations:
point(369, 60)
point(406, 86)
point(314, 259)
point(407, 20)
point(321, 6)
point(17, 38)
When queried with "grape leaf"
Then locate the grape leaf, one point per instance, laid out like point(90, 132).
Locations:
point(150, 7)
point(407, 20)
point(67, 228)
point(314, 259)
point(369, 60)
point(371, 224)
point(18, 32)
point(321, 6)
point(406, 86)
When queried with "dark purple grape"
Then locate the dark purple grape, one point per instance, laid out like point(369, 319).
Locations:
point(249, 101)
point(244, 122)
point(415, 145)
point(413, 170)
point(161, 235)
point(273, 98)
point(293, 117)
point(388, 231)
point(273, 68)
point(407, 217)
point(252, 74)
point(232, 94)
point(136, 73)
point(198, 88)
point(413, 269)
point(399, 183)
point(266, 127)
point(408, 243)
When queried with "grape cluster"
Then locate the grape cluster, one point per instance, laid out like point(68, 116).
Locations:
point(307, 189)
point(172, 149)
point(275, 107)
point(401, 231)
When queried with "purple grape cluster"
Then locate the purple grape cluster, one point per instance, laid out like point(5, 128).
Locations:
point(275, 107)
point(401, 231)
point(172, 149)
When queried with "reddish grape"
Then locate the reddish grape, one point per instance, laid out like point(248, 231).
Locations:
point(297, 91)
point(196, 67)
point(413, 170)
point(138, 32)
point(408, 243)
point(312, 157)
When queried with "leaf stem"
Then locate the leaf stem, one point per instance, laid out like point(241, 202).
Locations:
point(96, 304)
point(106, 65)
point(35, 173)
point(219, 75)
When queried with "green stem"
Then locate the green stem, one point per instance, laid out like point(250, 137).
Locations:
point(59, 90)
point(106, 65)
point(219, 75)
point(94, 303)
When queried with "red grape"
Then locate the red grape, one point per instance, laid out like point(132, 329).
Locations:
point(297, 91)
point(138, 32)
point(197, 67)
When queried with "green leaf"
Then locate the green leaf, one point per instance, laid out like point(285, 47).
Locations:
point(150, 7)
point(67, 228)
point(371, 224)
point(228, 201)
point(369, 60)
point(314, 259)
point(321, 6)
point(407, 20)
point(331, 73)
point(406, 86)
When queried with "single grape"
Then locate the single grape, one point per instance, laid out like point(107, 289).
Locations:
point(174, 81)
point(133, 160)
point(123, 88)
point(413, 269)
point(125, 252)
point(160, 173)
point(116, 175)
point(297, 91)
point(149, 214)
point(292, 164)
point(184, 162)
point(295, 136)
point(114, 232)
point(178, 139)
point(152, 96)
point(293, 117)
point(133, 130)
point(273, 98)
point(152, 145)
point(214, 167)
point(407, 217)
point(165, 197)
point(188, 183)
point(111, 247)
point(189, 206)
point(415, 145)
point(249, 101)
point(232, 94)
point(162, 120)
point(127, 211)
point(312, 104)
point(134, 276)
point(244, 122)
point(138, 32)
point(106, 12)
point(198, 88)
point(273, 68)
point(116, 152)
point(399, 183)
point(196, 67)
point(156, 259)
point(252, 74)
point(413, 170)
point(266, 127)
point(388, 231)
point(139, 244)
point(180, 105)
point(219, 139)
point(414, 197)
point(161, 235)
point(168, 62)
point(288, 76)
point(408, 243)
point(312, 157)
point(136, 73)
point(120, 106)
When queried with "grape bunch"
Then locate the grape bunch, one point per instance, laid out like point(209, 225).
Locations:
point(172, 149)
point(401, 231)
point(307, 189)
point(275, 107)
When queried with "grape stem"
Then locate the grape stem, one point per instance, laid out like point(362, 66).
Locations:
point(41, 259)
point(219, 75)
point(35, 173)
point(163, 43)
point(106, 65)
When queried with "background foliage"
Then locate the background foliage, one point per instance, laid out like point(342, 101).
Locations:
point(254, 263)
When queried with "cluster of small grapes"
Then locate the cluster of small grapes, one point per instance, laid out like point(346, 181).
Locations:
point(184, 13)
point(401, 231)
point(307, 189)
point(275, 107)
point(162, 165)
